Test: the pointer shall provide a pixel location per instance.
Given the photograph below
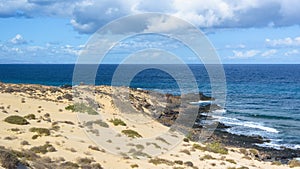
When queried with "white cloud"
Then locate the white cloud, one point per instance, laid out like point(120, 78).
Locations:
point(18, 40)
point(292, 52)
point(285, 42)
point(48, 53)
point(244, 55)
point(239, 46)
point(164, 24)
point(86, 16)
point(269, 53)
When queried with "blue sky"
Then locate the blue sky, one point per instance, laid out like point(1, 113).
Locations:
point(54, 31)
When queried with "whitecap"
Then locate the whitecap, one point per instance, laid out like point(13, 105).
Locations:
point(200, 102)
point(220, 111)
point(234, 121)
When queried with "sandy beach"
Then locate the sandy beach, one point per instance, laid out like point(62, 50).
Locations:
point(53, 136)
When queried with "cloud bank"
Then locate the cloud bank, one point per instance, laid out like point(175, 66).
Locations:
point(86, 16)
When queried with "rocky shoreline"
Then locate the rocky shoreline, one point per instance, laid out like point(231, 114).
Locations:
point(228, 139)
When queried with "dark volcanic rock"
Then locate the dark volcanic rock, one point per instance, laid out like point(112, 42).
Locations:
point(68, 96)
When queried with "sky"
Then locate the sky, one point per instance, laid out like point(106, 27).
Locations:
point(242, 31)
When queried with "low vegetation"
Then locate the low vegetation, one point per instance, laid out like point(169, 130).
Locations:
point(43, 149)
point(131, 133)
point(97, 122)
point(81, 108)
point(40, 131)
point(276, 163)
point(230, 161)
point(214, 147)
point(69, 165)
point(30, 117)
point(157, 161)
point(207, 157)
point(294, 163)
point(8, 159)
point(15, 119)
point(117, 122)
point(134, 166)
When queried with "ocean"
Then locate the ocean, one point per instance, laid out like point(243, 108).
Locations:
point(261, 99)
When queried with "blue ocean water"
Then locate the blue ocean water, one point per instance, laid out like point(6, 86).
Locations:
point(261, 99)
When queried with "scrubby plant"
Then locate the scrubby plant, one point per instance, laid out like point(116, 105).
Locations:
point(96, 166)
point(117, 122)
point(186, 140)
point(24, 142)
point(185, 151)
point(68, 165)
point(83, 161)
point(157, 161)
point(71, 149)
point(134, 166)
point(15, 119)
point(81, 108)
point(276, 163)
point(199, 147)
point(15, 129)
point(294, 163)
point(254, 152)
point(70, 107)
point(8, 159)
point(231, 161)
point(179, 162)
point(43, 149)
point(40, 131)
point(188, 163)
point(131, 133)
point(35, 137)
point(98, 122)
point(207, 157)
point(95, 148)
point(216, 147)
point(243, 151)
point(30, 117)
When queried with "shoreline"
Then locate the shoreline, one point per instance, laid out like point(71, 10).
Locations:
point(60, 97)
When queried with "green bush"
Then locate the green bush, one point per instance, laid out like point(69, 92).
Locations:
point(40, 131)
point(276, 163)
point(131, 133)
point(216, 147)
point(157, 161)
point(43, 149)
point(35, 137)
point(8, 159)
point(30, 117)
point(81, 108)
point(97, 122)
point(294, 163)
point(198, 147)
point(68, 165)
point(207, 157)
point(15, 119)
point(231, 161)
point(134, 166)
point(117, 122)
